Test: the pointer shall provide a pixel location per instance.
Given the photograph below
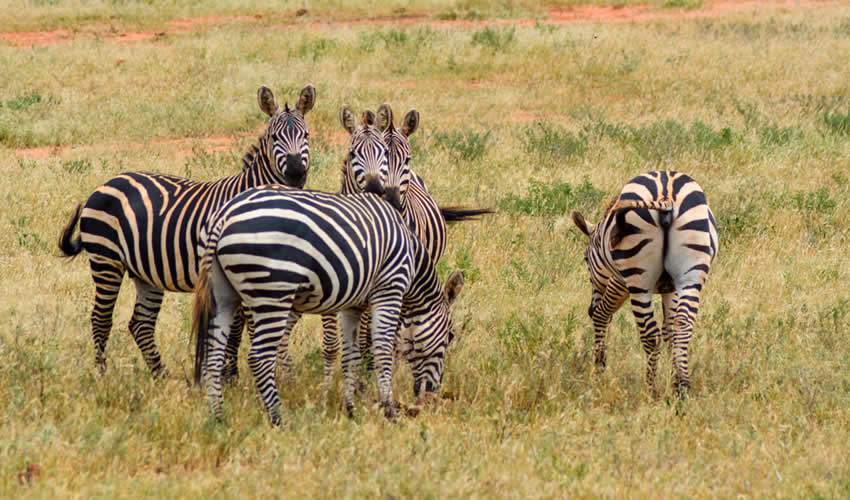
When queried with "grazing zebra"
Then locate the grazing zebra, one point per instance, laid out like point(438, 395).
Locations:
point(657, 236)
point(147, 225)
point(283, 253)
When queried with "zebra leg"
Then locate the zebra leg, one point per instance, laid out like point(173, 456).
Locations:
point(349, 321)
point(107, 276)
point(330, 344)
point(364, 339)
point(385, 317)
point(143, 324)
point(270, 322)
point(226, 303)
point(230, 372)
point(284, 359)
point(614, 296)
point(683, 326)
point(650, 335)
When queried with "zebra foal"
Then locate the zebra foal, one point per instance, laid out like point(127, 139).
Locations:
point(657, 236)
point(283, 253)
point(147, 225)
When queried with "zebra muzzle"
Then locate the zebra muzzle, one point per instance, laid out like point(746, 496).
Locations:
point(295, 170)
point(393, 197)
point(374, 185)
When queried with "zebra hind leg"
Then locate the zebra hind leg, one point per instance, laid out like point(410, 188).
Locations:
point(143, 324)
point(683, 326)
point(107, 278)
point(271, 321)
point(230, 373)
point(650, 335)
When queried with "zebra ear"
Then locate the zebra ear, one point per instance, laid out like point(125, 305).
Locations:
point(410, 123)
point(346, 118)
point(307, 99)
point(265, 98)
point(368, 118)
point(582, 224)
point(384, 120)
point(454, 285)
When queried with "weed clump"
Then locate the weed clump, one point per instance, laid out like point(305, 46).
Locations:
point(553, 199)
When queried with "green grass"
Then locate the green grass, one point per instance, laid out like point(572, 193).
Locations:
point(532, 119)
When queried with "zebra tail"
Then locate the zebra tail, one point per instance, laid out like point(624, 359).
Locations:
point(69, 246)
point(460, 214)
point(202, 311)
point(665, 205)
point(620, 208)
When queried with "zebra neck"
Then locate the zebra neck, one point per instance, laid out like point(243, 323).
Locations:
point(425, 286)
point(348, 184)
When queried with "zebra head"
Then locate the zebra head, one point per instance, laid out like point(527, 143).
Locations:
point(365, 166)
point(287, 145)
point(398, 149)
point(593, 257)
point(425, 335)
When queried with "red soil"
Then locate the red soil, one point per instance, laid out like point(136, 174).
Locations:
point(186, 147)
point(566, 15)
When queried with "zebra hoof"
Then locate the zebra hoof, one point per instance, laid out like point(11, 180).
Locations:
point(389, 412)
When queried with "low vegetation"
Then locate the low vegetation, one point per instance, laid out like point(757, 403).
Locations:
point(533, 119)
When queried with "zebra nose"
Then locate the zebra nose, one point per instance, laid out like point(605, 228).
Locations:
point(294, 166)
point(393, 197)
point(374, 185)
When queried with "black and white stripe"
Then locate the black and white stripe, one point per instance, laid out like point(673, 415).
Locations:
point(657, 236)
point(147, 225)
point(283, 253)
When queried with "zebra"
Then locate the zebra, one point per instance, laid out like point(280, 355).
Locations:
point(147, 225)
point(284, 252)
point(657, 236)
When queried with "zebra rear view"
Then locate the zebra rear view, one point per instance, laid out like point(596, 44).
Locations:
point(657, 236)
point(282, 253)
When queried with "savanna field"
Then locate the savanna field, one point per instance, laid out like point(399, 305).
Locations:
point(533, 110)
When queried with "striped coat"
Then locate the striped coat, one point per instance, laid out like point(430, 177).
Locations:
point(283, 253)
point(657, 236)
point(147, 225)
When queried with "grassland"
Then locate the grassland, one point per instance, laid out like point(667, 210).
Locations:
point(536, 119)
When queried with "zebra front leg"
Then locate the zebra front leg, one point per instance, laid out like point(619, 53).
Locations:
point(330, 344)
point(364, 339)
point(601, 313)
point(385, 318)
point(143, 324)
point(349, 322)
point(650, 334)
point(107, 278)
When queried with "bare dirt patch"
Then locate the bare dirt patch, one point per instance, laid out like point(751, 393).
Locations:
point(183, 147)
point(565, 15)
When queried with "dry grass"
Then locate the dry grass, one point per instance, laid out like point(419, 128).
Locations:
point(534, 120)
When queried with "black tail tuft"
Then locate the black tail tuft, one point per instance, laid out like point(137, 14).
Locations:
point(460, 214)
point(69, 246)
